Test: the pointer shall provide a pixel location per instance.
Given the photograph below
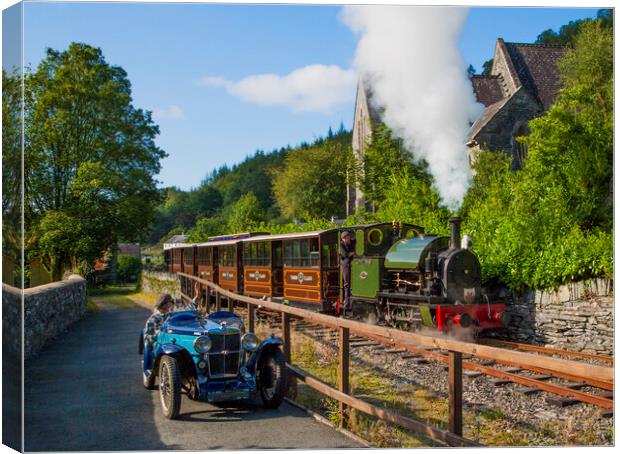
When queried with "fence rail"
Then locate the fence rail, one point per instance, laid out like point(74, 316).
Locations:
point(345, 327)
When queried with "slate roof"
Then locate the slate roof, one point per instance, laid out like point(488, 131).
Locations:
point(536, 67)
point(487, 89)
point(489, 112)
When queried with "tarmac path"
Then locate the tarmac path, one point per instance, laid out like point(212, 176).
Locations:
point(84, 393)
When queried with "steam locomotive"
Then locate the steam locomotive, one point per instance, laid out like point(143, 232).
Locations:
point(399, 275)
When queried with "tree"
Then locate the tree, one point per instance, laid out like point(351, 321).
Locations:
point(12, 105)
point(128, 267)
point(312, 183)
point(92, 159)
point(206, 227)
point(487, 67)
point(411, 199)
point(385, 157)
point(471, 71)
point(567, 33)
point(245, 213)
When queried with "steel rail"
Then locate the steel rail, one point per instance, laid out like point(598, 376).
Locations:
point(547, 350)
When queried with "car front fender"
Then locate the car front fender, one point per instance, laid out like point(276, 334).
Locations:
point(269, 344)
point(188, 368)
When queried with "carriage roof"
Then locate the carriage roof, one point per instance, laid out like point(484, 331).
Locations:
point(290, 236)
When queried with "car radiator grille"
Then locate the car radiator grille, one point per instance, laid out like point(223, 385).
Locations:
point(224, 356)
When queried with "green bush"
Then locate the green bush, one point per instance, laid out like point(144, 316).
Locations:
point(128, 268)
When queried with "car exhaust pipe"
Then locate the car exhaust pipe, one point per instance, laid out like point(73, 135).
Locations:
point(455, 233)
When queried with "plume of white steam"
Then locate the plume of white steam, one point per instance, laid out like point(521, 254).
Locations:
point(409, 56)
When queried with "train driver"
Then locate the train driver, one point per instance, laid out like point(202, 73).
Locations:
point(347, 252)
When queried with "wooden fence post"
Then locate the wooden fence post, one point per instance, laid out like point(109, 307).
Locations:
point(455, 392)
point(291, 382)
point(343, 372)
point(251, 317)
point(218, 301)
point(286, 336)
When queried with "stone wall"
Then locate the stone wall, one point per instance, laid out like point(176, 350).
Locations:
point(578, 316)
point(48, 311)
point(11, 320)
point(156, 282)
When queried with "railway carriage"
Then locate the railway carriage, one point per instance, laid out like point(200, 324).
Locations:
point(311, 269)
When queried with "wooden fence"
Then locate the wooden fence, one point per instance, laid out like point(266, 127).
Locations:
point(456, 349)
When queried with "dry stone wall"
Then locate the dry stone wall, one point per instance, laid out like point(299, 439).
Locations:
point(48, 311)
point(11, 320)
point(578, 316)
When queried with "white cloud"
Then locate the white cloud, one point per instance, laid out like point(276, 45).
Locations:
point(172, 112)
point(313, 88)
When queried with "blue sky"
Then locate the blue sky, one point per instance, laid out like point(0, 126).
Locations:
point(169, 49)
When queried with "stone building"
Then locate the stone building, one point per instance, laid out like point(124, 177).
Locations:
point(523, 83)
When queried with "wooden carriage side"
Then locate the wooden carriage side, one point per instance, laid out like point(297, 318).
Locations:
point(262, 266)
point(310, 275)
point(206, 262)
point(189, 259)
point(177, 259)
point(167, 261)
point(229, 250)
point(229, 265)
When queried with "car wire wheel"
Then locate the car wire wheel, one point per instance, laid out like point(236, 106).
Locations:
point(273, 379)
point(170, 387)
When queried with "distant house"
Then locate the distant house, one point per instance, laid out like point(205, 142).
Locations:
point(132, 249)
point(523, 84)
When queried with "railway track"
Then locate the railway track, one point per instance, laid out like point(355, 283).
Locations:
point(606, 360)
point(568, 389)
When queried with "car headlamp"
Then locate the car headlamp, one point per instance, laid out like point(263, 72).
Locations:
point(249, 341)
point(202, 344)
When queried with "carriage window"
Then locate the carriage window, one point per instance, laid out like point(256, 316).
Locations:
point(277, 255)
point(266, 254)
point(305, 252)
point(314, 252)
point(260, 248)
point(189, 256)
point(288, 253)
point(227, 255)
point(329, 255)
point(203, 256)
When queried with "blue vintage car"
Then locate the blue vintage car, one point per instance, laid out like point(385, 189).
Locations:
point(211, 358)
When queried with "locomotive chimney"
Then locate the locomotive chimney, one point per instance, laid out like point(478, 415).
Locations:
point(455, 233)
